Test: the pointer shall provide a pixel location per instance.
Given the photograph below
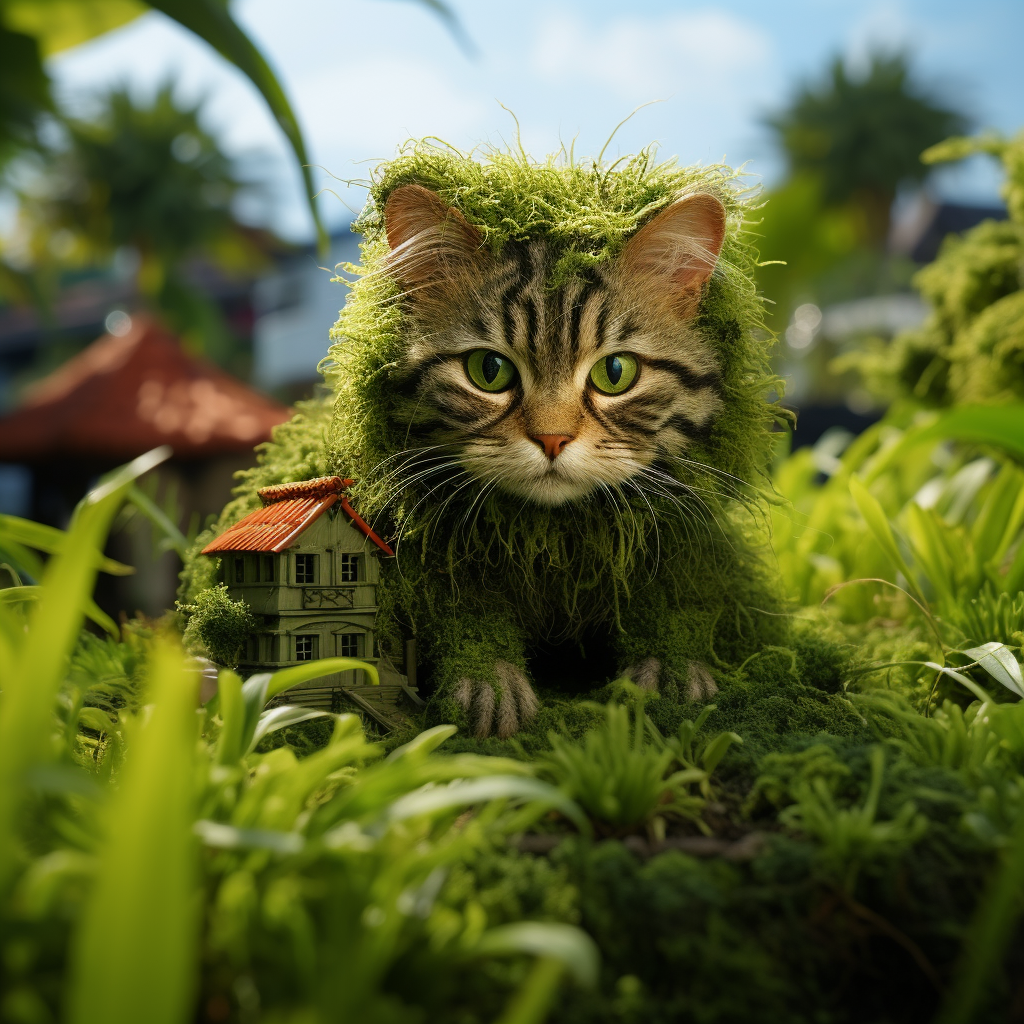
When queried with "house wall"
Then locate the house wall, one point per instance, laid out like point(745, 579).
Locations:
point(330, 615)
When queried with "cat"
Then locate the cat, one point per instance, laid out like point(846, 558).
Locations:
point(551, 389)
point(547, 397)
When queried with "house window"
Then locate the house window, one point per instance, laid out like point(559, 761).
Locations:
point(350, 645)
point(305, 648)
point(305, 568)
point(265, 566)
point(349, 569)
point(239, 570)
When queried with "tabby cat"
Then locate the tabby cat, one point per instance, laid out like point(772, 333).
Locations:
point(550, 386)
point(556, 398)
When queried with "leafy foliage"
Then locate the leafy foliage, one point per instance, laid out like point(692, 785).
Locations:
point(971, 347)
point(860, 851)
point(231, 877)
point(218, 628)
point(627, 775)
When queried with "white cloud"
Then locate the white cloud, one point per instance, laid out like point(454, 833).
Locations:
point(646, 58)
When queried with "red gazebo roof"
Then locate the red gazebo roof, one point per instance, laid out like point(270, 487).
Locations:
point(123, 396)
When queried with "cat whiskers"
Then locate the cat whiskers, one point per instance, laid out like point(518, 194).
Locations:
point(691, 512)
point(409, 517)
point(408, 480)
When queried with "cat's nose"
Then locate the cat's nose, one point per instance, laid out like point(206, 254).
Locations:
point(553, 444)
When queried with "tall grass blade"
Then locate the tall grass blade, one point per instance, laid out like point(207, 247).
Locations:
point(1001, 426)
point(160, 519)
point(134, 953)
point(27, 702)
point(878, 524)
point(51, 540)
point(493, 787)
point(280, 718)
point(559, 947)
point(289, 677)
point(574, 949)
point(987, 938)
point(998, 661)
point(232, 714)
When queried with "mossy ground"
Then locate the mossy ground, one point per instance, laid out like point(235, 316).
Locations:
point(882, 805)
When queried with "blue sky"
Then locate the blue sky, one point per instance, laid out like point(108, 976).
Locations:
point(365, 74)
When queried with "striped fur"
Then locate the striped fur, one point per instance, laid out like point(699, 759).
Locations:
point(459, 298)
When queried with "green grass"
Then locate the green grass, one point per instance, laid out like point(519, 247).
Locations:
point(153, 864)
point(859, 790)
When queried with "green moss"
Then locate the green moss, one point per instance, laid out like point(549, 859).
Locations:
point(589, 560)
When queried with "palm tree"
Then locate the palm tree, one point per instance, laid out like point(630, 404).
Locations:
point(862, 137)
point(149, 179)
point(31, 30)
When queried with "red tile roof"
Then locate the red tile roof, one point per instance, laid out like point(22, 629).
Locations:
point(289, 509)
point(123, 396)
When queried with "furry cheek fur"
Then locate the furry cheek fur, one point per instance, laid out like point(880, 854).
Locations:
point(461, 299)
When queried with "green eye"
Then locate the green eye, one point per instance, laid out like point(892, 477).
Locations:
point(489, 370)
point(614, 374)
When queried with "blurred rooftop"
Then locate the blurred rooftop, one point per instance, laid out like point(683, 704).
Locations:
point(126, 394)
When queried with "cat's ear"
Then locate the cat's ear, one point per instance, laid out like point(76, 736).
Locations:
point(433, 247)
point(673, 256)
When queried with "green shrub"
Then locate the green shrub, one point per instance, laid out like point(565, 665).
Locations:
point(217, 627)
point(971, 347)
point(148, 876)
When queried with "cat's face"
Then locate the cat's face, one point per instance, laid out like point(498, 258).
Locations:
point(550, 394)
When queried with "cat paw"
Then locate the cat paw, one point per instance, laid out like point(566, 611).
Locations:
point(501, 708)
point(645, 674)
point(700, 684)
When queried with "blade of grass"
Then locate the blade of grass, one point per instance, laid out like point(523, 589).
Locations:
point(232, 714)
point(27, 703)
point(17, 595)
point(289, 677)
point(1001, 426)
point(492, 787)
point(878, 523)
point(532, 1003)
point(51, 540)
point(135, 949)
point(998, 661)
point(159, 518)
point(573, 948)
point(280, 718)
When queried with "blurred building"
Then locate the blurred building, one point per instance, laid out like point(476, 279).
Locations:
point(295, 308)
point(128, 392)
point(31, 339)
point(76, 407)
point(814, 336)
point(921, 227)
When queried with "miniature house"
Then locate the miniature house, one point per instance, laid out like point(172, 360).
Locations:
point(307, 566)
